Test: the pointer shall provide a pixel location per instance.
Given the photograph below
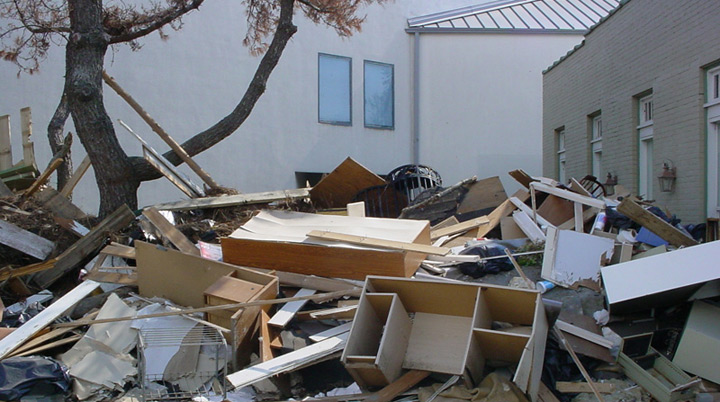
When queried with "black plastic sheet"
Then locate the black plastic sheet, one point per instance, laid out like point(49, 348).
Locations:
point(22, 375)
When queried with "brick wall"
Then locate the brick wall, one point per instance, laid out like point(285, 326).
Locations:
point(647, 45)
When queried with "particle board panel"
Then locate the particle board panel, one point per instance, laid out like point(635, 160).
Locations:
point(628, 288)
point(438, 343)
point(482, 194)
point(556, 210)
point(501, 211)
point(394, 341)
point(501, 346)
point(286, 313)
point(701, 334)
point(430, 297)
point(182, 277)
point(338, 188)
point(510, 229)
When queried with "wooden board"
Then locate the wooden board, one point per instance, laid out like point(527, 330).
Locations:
point(286, 313)
point(266, 352)
point(556, 210)
point(170, 232)
point(181, 277)
point(510, 229)
point(568, 195)
point(655, 224)
point(498, 213)
point(571, 258)
point(67, 190)
point(287, 362)
point(579, 387)
point(381, 243)
point(234, 200)
point(313, 282)
point(521, 177)
point(460, 227)
point(660, 280)
point(87, 245)
point(25, 241)
point(26, 131)
point(402, 384)
point(501, 346)
point(59, 204)
point(483, 194)
point(528, 226)
point(45, 317)
point(338, 188)
point(6, 160)
point(438, 343)
point(701, 335)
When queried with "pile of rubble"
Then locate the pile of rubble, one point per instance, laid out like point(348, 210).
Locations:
point(360, 288)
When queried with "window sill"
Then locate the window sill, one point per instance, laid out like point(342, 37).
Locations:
point(646, 124)
point(712, 103)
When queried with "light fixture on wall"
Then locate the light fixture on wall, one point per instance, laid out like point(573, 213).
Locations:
point(667, 177)
point(610, 183)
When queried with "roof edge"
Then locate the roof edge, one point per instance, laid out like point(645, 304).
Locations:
point(460, 12)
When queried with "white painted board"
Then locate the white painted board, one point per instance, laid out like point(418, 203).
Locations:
point(572, 256)
point(288, 311)
point(701, 335)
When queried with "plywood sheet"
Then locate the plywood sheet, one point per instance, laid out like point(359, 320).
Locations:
point(438, 343)
point(556, 210)
point(661, 279)
point(486, 193)
point(338, 188)
point(510, 229)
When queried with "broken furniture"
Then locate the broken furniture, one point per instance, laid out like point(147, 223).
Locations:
point(700, 337)
point(452, 328)
point(573, 258)
point(278, 240)
point(665, 381)
point(660, 280)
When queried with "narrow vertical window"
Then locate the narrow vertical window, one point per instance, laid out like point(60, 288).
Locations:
point(334, 89)
point(379, 95)
point(645, 136)
point(713, 83)
point(560, 135)
point(596, 144)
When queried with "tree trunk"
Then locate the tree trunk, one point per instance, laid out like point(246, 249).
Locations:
point(222, 129)
point(84, 59)
point(55, 137)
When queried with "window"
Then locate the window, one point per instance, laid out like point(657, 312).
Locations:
point(560, 136)
point(379, 95)
point(713, 85)
point(334, 89)
point(596, 143)
point(645, 135)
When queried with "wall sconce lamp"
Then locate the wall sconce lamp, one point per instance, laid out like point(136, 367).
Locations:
point(667, 177)
point(610, 183)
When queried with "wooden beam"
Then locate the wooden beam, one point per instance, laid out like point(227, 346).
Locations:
point(291, 361)
point(578, 387)
point(500, 212)
point(583, 333)
point(43, 177)
point(177, 148)
point(170, 231)
point(664, 230)
point(119, 250)
point(26, 130)
point(67, 190)
point(87, 245)
point(45, 317)
point(234, 306)
point(381, 243)
point(25, 241)
point(27, 270)
point(402, 384)
point(234, 200)
point(6, 160)
point(531, 284)
point(460, 227)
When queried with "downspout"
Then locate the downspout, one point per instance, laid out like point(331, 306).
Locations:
point(416, 101)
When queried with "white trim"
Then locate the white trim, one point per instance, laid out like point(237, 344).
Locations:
point(712, 103)
point(646, 124)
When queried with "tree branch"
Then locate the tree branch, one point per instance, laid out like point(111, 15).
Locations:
point(206, 139)
point(161, 19)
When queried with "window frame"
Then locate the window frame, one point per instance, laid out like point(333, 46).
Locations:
point(560, 139)
point(392, 96)
point(712, 89)
point(349, 100)
point(646, 146)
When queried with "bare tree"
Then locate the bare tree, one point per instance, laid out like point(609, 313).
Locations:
point(88, 27)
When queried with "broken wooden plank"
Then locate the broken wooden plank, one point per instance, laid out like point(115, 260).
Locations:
point(43, 177)
point(288, 311)
point(583, 333)
point(25, 241)
point(87, 245)
point(119, 250)
point(545, 395)
point(314, 282)
point(113, 277)
point(58, 204)
point(67, 190)
point(26, 132)
point(568, 195)
point(45, 317)
point(71, 226)
point(530, 284)
point(5, 190)
point(166, 168)
point(667, 232)
point(288, 362)
point(579, 364)
point(234, 200)
point(334, 331)
point(402, 384)
point(381, 243)
point(6, 160)
point(521, 177)
point(177, 148)
point(521, 206)
point(27, 270)
point(586, 216)
point(528, 226)
point(266, 352)
point(460, 227)
point(338, 188)
point(337, 313)
point(500, 212)
point(39, 340)
point(49, 346)
point(568, 387)
point(482, 194)
point(170, 231)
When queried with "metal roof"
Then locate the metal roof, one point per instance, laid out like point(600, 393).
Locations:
point(555, 16)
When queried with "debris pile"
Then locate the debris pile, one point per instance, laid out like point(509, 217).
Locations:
point(360, 288)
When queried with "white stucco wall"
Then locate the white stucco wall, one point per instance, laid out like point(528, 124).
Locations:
point(481, 102)
point(192, 80)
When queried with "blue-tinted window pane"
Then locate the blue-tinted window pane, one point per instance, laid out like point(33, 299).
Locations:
point(379, 96)
point(334, 89)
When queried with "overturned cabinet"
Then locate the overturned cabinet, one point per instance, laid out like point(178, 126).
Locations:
point(451, 328)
